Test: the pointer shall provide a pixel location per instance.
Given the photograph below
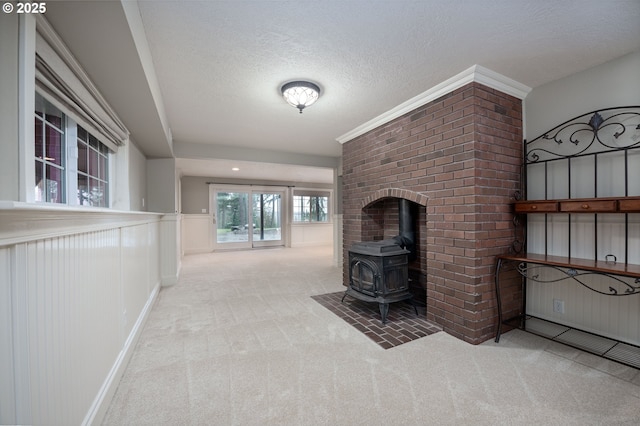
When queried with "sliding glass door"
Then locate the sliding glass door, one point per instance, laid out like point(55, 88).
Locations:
point(246, 219)
point(232, 219)
point(267, 208)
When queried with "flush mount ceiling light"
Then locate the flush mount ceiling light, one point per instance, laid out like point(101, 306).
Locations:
point(300, 94)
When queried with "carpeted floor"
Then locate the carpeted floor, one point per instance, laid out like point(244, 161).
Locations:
point(403, 325)
point(239, 341)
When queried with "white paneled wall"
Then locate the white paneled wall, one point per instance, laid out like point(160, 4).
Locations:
point(311, 234)
point(74, 294)
point(197, 233)
point(586, 236)
point(613, 316)
point(617, 317)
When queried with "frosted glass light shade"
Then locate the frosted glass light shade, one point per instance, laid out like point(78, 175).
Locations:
point(300, 94)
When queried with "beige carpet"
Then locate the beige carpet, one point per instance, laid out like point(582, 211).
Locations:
point(239, 341)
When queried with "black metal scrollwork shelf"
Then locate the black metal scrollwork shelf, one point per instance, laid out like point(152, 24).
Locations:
point(529, 271)
point(594, 134)
point(529, 267)
point(616, 131)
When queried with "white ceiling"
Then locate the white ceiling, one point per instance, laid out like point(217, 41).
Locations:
point(254, 171)
point(215, 67)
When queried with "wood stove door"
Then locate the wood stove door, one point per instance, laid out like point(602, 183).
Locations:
point(396, 274)
point(364, 276)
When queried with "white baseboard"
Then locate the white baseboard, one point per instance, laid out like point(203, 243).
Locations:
point(100, 405)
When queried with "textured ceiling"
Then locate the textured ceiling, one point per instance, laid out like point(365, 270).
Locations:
point(218, 65)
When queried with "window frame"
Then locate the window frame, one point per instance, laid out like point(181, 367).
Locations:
point(298, 206)
point(43, 161)
point(71, 174)
point(93, 145)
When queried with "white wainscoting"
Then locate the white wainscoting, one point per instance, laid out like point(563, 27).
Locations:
point(197, 232)
point(585, 236)
point(311, 234)
point(75, 289)
point(617, 317)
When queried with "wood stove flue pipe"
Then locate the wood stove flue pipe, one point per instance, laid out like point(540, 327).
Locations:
point(406, 227)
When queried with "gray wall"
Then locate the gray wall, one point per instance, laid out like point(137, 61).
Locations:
point(137, 179)
point(614, 83)
point(161, 185)
point(195, 190)
point(9, 156)
point(195, 194)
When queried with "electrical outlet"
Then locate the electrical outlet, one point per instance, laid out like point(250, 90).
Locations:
point(558, 306)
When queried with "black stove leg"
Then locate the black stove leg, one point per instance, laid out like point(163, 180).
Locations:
point(384, 310)
point(414, 306)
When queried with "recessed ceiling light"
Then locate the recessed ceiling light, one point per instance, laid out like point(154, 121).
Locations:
point(235, 169)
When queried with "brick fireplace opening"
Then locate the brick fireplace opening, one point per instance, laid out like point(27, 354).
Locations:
point(457, 159)
point(380, 221)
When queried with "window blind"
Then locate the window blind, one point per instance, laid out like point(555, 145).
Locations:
point(61, 80)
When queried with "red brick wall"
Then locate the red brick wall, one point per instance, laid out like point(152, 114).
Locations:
point(459, 156)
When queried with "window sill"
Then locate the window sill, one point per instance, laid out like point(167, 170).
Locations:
point(8, 205)
point(21, 222)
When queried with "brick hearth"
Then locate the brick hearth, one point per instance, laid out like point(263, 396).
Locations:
point(458, 158)
point(402, 324)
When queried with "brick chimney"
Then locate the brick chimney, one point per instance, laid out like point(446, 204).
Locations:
point(459, 158)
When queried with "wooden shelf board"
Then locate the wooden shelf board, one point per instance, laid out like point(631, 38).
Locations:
point(580, 205)
point(625, 269)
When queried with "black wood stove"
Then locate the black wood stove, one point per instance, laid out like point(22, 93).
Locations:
point(378, 272)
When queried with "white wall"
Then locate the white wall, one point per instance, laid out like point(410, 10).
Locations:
point(616, 83)
point(75, 283)
point(612, 84)
point(75, 288)
point(197, 233)
point(311, 234)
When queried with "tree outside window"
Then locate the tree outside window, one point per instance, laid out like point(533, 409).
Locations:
point(310, 208)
